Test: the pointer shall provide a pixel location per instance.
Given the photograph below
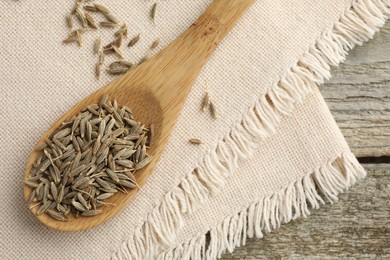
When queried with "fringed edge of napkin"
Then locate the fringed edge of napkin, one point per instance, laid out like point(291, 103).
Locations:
point(357, 24)
point(267, 213)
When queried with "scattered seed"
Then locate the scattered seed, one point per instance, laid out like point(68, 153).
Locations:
point(102, 8)
point(108, 24)
point(97, 72)
point(91, 21)
point(101, 58)
point(70, 39)
point(195, 141)
point(81, 30)
point(116, 65)
point(111, 18)
point(96, 46)
point(117, 51)
point(153, 13)
point(127, 64)
point(134, 40)
point(90, 8)
point(213, 110)
point(81, 16)
point(122, 30)
point(69, 21)
point(155, 44)
point(205, 102)
point(79, 38)
point(118, 41)
point(117, 70)
point(77, 5)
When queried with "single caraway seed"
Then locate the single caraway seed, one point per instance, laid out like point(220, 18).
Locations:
point(45, 206)
point(126, 63)
point(134, 40)
point(116, 64)
point(153, 13)
point(90, 8)
point(88, 159)
point(155, 44)
point(110, 17)
point(69, 21)
point(70, 39)
point(213, 110)
point(125, 31)
point(108, 51)
point(118, 41)
point(76, 5)
point(205, 102)
point(57, 215)
point(79, 38)
point(91, 21)
point(116, 68)
point(96, 46)
point(122, 30)
point(117, 51)
point(108, 24)
point(195, 141)
point(31, 184)
point(81, 15)
point(97, 73)
point(101, 58)
point(109, 46)
point(102, 8)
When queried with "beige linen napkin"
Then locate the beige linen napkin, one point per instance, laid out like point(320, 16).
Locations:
point(274, 152)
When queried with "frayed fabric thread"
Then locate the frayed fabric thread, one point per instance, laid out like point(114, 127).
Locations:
point(262, 216)
point(158, 232)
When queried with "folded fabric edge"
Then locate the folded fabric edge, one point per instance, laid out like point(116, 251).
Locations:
point(267, 213)
point(357, 24)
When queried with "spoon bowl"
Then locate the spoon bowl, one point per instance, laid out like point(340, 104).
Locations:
point(155, 91)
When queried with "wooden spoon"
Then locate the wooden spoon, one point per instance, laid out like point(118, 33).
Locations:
point(156, 91)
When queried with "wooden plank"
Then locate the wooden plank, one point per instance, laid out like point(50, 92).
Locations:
point(359, 96)
point(357, 226)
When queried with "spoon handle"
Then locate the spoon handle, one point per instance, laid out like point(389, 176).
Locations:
point(190, 51)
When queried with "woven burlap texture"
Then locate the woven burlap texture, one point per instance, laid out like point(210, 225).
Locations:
point(41, 79)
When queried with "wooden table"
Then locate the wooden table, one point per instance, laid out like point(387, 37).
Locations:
point(358, 226)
